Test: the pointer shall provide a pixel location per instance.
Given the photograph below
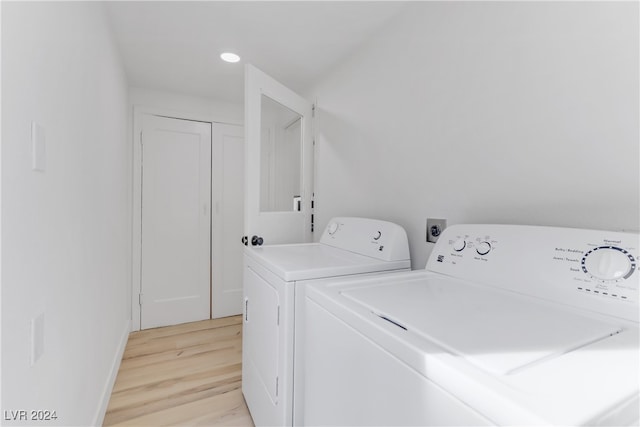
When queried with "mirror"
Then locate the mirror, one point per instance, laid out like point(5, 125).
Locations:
point(280, 157)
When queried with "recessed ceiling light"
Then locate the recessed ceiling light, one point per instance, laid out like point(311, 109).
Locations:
point(230, 57)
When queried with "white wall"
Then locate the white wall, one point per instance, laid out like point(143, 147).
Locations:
point(66, 232)
point(202, 108)
point(501, 112)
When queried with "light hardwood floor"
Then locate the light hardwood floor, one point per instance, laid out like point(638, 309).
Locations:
point(187, 374)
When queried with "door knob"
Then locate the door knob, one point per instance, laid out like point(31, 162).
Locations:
point(256, 241)
point(245, 240)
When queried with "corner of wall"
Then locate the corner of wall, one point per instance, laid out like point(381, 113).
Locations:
point(103, 405)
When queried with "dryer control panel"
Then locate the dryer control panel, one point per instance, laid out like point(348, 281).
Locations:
point(597, 270)
point(371, 237)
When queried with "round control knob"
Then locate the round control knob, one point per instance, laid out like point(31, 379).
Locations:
point(459, 245)
point(608, 263)
point(332, 228)
point(483, 248)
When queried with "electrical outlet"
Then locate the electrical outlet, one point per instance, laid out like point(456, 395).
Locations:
point(435, 227)
point(37, 338)
point(38, 150)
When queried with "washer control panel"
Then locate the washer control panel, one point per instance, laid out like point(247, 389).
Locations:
point(481, 245)
point(573, 266)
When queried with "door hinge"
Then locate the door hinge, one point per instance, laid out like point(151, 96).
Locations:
point(140, 137)
point(140, 298)
point(313, 110)
point(276, 386)
point(313, 206)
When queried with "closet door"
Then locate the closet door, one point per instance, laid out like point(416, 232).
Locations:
point(176, 221)
point(227, 220)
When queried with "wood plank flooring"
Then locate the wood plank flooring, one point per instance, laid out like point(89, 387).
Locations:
point(186, 374)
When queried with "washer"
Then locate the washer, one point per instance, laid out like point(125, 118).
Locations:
point(275, 279)
point(507, 325)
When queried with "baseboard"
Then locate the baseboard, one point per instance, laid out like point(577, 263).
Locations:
point(115, 366)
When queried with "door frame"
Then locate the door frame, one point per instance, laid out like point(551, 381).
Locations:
point(136, 232)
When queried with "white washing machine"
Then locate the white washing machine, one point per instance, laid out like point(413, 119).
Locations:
point(508, 325)
point(275, 279)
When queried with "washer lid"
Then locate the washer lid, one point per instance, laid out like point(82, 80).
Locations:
point(500, 332)
point(316, 261)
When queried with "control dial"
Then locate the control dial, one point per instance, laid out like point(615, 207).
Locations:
point(333, 227)
point(483, 248)
point(459, 245)
point(608, 263)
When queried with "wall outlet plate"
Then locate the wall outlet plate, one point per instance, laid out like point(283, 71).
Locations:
point(37, 338)
point(435, 227)
point(38, 149)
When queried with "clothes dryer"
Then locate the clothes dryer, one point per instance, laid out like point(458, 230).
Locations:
point(275, 279)
point(507, 325)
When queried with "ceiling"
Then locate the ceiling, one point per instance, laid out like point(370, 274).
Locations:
point(175, 45)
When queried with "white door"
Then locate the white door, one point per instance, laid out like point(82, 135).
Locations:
point(228, 205)
point(176, 221)
point(279, 162)
point(260, 355)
